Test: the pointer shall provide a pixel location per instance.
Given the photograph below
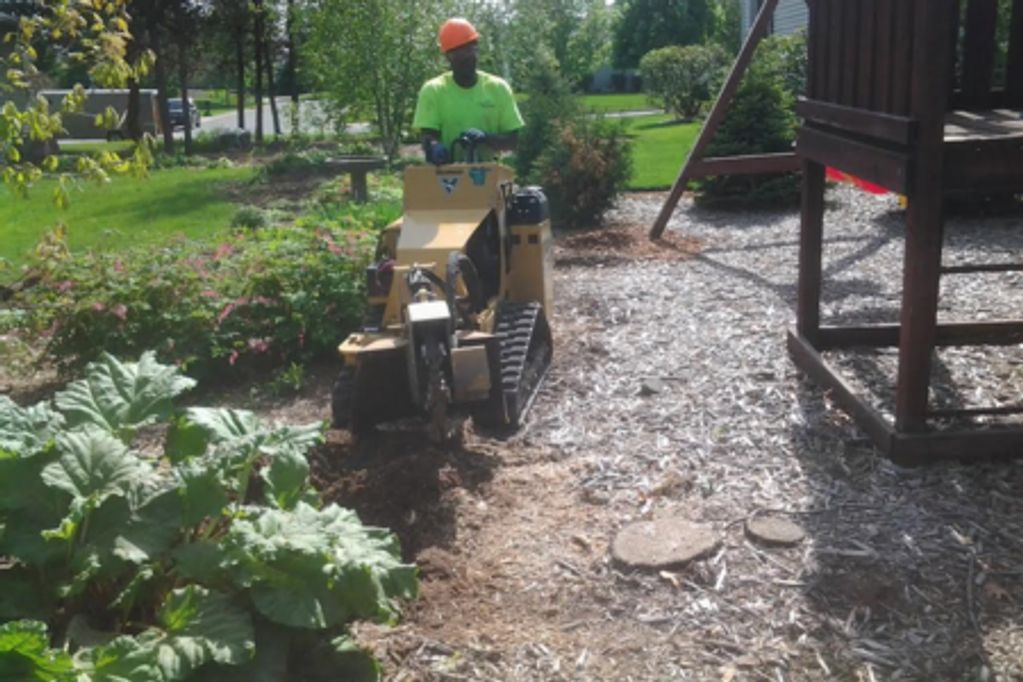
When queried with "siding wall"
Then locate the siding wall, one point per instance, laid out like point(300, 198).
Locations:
point(790, 16)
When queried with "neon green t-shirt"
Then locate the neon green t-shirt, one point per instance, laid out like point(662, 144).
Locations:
point(447, 107)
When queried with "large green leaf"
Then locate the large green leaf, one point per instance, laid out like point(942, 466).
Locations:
point(136, 533)
point(202, 560)
point(23, 536)
point(26, 431)
point(202, 626)
point(25, 654)
point(21, 485)
point(195, 627)
point(241, 430)
point(270, 664)
point(121, 397)
point(286, 479)
point(125, 659)
point(314, 569)
point(93, 465)
point(21, 595)
point(202, 490)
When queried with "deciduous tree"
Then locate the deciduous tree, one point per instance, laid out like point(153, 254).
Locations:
point(95, 33)
point(371, 58)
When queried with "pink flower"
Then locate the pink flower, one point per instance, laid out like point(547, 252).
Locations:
point(223, 251)
point(98, 307)
point(229, 308)
point(66, 285)
point(118, 266)
point(209, 293)
point(120, 311)
point(232, 358)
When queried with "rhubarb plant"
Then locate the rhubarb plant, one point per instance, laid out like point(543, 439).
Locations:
point(211, 558)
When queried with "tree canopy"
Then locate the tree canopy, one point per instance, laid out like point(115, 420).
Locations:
point(649, 24)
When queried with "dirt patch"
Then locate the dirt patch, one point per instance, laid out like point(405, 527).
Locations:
point(618, 244)
point(289, 189)
point(621, 242)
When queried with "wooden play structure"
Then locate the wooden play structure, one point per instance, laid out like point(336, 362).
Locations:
point(903, 93)
point(924, 98)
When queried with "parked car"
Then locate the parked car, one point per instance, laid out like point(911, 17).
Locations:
point(177, 116)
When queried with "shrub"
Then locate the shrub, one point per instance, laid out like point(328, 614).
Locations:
point(550, 104)
point(295, 163)
point(760, 121)
point(255, 301)
point(583, 172)
point(250, 218)
point(213, 560)
point(685, 79)
point(581, 162)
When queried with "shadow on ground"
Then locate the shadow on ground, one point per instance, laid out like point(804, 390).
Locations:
point(917, 570)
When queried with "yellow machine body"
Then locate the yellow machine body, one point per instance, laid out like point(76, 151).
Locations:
point(455, 209)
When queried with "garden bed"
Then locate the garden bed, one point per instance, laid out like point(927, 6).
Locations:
point(671, 393)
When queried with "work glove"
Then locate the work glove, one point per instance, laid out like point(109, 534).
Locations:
point(475, 136)
point(437, 154)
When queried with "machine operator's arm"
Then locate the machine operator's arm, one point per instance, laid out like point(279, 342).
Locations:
point(436, 152)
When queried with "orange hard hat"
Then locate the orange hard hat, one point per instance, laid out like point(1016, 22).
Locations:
point(454, 33)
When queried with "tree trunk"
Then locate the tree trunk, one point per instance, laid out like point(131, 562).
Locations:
point(131, 117)
point(183, 70)
point(257, 38)
point(131, 126)
point(294, 111)
point(161, 89)
point(292, 65)
point(268, 45)
point(240, 56)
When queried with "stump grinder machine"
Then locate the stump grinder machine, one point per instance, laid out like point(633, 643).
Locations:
point(459, 294)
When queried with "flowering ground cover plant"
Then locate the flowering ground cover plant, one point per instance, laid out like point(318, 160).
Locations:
point(255, 300)
point(210, 560)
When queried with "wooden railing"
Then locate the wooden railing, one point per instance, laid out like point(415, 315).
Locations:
point(862, 54)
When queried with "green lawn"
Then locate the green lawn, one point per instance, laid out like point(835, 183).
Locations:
point(619, 102)
point(128, 211)
point(659, 147)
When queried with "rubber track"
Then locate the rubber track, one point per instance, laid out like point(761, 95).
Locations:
point(524, 356)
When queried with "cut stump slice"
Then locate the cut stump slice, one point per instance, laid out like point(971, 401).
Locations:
point(775, 530)
point(663, 543)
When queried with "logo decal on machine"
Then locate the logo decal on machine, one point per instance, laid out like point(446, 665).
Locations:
point(479, 176)
point(449, 183)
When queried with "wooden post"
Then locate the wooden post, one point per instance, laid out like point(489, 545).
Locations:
point(811, 240)
point(925, 218)
point(716, 116)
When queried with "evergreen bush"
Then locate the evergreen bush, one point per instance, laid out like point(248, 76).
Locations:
point(550, 103)
point(761, 121)
point(582, 162)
